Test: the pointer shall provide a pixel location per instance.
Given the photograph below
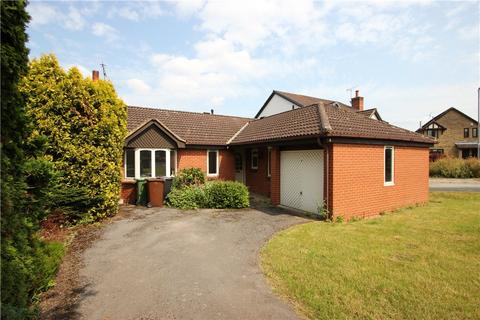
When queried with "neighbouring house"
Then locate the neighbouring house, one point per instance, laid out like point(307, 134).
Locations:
point(302, 152)
point(455, 133)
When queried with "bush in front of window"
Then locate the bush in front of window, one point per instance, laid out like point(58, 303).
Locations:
point(226, 194)
point(188, 177)
point(455, 168)
point(187, 197)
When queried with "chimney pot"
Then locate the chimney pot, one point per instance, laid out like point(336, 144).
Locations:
point(211, 111)
point(357, 102)
point(95, 75)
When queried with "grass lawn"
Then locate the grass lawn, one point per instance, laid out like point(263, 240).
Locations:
point(416, 263)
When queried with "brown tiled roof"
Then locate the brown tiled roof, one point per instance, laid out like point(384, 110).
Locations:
point(329, 120)
point(303, 100)
point(193, 127)
point(369, 112)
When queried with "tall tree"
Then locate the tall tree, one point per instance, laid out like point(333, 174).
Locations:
point(15, 229)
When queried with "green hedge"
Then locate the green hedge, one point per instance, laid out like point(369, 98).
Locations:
point(455, 168)
point(189, 177)
point(83, 124)
point(226, 194)
point(188, 193)
point(189, 197)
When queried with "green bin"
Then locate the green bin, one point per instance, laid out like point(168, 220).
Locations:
point(141, 192)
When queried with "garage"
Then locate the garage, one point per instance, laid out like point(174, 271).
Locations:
point(301, 179)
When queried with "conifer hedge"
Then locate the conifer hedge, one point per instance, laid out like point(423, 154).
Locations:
point(84, 124)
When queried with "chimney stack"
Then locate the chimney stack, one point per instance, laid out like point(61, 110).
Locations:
point(357, 102)
point(95, 75)
point(211, 111)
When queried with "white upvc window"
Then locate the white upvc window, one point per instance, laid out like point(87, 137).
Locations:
point(147, 163)
point(389, 166)
point(212, 163)
point(254, 159)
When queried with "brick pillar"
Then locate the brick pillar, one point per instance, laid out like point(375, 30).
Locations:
point(275, 176)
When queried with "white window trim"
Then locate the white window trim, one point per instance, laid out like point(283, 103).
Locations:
point(208, 164)
point(176, 162)
point(269, 159)
point(389, 183)
point(251, 159)
point(137, 162)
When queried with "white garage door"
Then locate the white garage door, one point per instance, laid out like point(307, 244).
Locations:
point(301, 179)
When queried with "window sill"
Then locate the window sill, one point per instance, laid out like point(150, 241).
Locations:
point(388, 184)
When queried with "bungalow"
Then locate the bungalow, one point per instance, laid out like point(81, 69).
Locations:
point(302, 152)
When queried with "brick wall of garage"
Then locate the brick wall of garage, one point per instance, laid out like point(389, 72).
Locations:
point(257, 180)
point(357, 179)
point(197, 158)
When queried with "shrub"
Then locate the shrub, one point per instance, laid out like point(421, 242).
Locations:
point(455, 168)
point(188, 197)
point(83, 124)
point(474, 165)
point(226, 194)
point(189, 177)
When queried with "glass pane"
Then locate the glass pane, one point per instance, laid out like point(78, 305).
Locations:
point(388, 165)
point(173, 162)
point(160, 163)
point(130, 163)
point(212, 162)
point(145, 163)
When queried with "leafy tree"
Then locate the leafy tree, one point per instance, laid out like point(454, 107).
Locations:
point(23, 256)
point(84, 123)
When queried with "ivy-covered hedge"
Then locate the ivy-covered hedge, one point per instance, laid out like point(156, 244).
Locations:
point(84, 124)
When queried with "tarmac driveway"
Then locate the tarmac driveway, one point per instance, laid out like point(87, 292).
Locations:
point(168, 264)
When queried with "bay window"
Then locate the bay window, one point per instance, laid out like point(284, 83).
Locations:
point(148, 163)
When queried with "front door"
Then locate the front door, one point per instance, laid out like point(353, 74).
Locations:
point(239, 167)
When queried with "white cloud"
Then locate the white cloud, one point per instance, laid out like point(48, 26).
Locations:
point(138, 86)
point(41, 13)
point(83, 70)
point(74, 19)
point(186, 8)
point(104, 30)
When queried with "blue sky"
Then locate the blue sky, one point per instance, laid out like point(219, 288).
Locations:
point(411, 60)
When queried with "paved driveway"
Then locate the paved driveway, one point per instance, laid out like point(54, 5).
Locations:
point(459, 185)
point(167, 264)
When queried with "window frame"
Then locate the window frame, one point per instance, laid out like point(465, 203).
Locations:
point(253, 151)
point(125, 169)
point(474, 132)
point(175, 158)
point(217, 169)
point(466, 132)
point(385, 182)
point(152, 156)
point(269, 160)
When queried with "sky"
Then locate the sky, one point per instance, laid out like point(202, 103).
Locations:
point(409, 59)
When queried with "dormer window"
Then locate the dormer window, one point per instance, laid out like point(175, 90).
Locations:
point(433, 130)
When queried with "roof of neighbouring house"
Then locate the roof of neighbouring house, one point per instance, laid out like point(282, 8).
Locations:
point(193, 127)
point(328, 120)
point(370, 113)
point(434, 119)
point(298, 99)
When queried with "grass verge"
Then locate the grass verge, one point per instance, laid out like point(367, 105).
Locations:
point(418, 263)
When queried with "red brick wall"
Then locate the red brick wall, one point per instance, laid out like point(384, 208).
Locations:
point(357, 179)
point(257, 180)
point(128, 192)
point(275, 176)
point(197, 158)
